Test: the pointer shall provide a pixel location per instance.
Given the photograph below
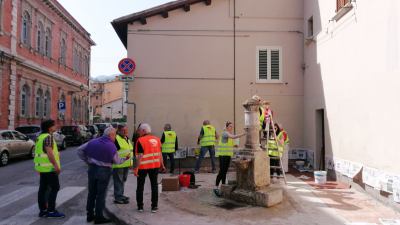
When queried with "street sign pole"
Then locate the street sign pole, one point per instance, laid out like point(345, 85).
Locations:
point(127, 66)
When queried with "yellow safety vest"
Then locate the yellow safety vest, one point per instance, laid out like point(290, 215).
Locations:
point(41, 160)
point(125, 149)
point(262, 117)
point(208, 138)
point(225, 149)
point(169, 142)
point(273, 149)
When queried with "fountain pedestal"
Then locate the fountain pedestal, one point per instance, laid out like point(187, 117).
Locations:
point(252, 167)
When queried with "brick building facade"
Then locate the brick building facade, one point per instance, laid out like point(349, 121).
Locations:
point(44, 59)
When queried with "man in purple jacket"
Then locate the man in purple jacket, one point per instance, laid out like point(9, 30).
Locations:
point(99, 154)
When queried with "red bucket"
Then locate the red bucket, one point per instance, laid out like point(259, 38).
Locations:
point(184, 180)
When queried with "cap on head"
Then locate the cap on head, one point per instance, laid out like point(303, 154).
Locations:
point(167, 126)
point(45, 125)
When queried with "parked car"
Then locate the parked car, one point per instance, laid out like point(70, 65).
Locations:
point(14, 144)
point(76, 134)
point(93, 130)
point(102, 127)
point(33, 131)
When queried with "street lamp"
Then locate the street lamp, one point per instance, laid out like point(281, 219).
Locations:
point(109, 107)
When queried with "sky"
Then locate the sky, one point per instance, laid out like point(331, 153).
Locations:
point(95, 16)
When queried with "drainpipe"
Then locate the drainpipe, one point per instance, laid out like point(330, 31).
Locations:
point(234, 64)
point(134, 109)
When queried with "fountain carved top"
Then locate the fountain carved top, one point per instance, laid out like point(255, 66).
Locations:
point(254, 103)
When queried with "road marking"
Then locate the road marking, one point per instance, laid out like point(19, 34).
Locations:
point(76, 220)
point(16, 195)
point(30, 215)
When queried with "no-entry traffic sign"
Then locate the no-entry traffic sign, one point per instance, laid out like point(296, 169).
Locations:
point(126, 66)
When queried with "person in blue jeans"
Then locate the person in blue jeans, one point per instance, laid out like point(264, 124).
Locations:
point(100, 154)
point(207, 139)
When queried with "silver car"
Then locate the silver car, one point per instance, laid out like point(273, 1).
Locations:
point(14, 144)
point(33, 131)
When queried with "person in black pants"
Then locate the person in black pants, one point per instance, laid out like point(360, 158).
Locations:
point(225, 152)
point(47, 163)
point(149, 161)
point(169, 141)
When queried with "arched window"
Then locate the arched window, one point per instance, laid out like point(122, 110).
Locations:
point(26, 28)
point(75, 109)
point(75, 59)
point(48, 42)
point(47, 105)
point(39, 38)
point(1, 14)
point(39, 103)
point(63, 50)
point(86, 67)
point(25, 97)
point(80, 62)
point(87, 110)
point(79, 110)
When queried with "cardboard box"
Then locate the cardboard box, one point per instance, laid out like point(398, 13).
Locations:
point(170, 184)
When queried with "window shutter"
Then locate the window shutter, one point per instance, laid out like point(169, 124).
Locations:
point(263, 64)
point(275, 65)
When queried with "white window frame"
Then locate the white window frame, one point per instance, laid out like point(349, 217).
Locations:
point(269, 49)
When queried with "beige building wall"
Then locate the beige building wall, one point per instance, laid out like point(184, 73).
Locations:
point(96, 97)
point(185, 67)
point(353, 72)
point(113, 90)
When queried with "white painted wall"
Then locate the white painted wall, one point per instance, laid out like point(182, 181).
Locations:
point(353, 72)
point(118, 109)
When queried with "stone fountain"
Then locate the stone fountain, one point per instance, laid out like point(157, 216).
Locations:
point(253, 182)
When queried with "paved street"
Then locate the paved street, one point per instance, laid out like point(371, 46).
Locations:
point(18, 192)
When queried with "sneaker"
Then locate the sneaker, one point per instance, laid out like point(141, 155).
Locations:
point(89, 218)
point(55, 215)
point(214, 171)
point(217, 192)
point(43, 213)
point(101, 220)
point(121, 201)
point(140, 209)
point(154, 209)
point(125, 197)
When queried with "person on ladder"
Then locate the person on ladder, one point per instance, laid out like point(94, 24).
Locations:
point(275, 149)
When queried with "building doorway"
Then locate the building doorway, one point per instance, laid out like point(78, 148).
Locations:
point(320, 139)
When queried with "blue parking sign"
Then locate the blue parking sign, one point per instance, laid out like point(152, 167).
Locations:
point(61, 106)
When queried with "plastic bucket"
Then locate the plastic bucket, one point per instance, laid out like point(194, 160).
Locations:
point(184, 180)
point(320, 177)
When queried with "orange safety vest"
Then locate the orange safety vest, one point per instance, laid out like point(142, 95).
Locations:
point(151, 152)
